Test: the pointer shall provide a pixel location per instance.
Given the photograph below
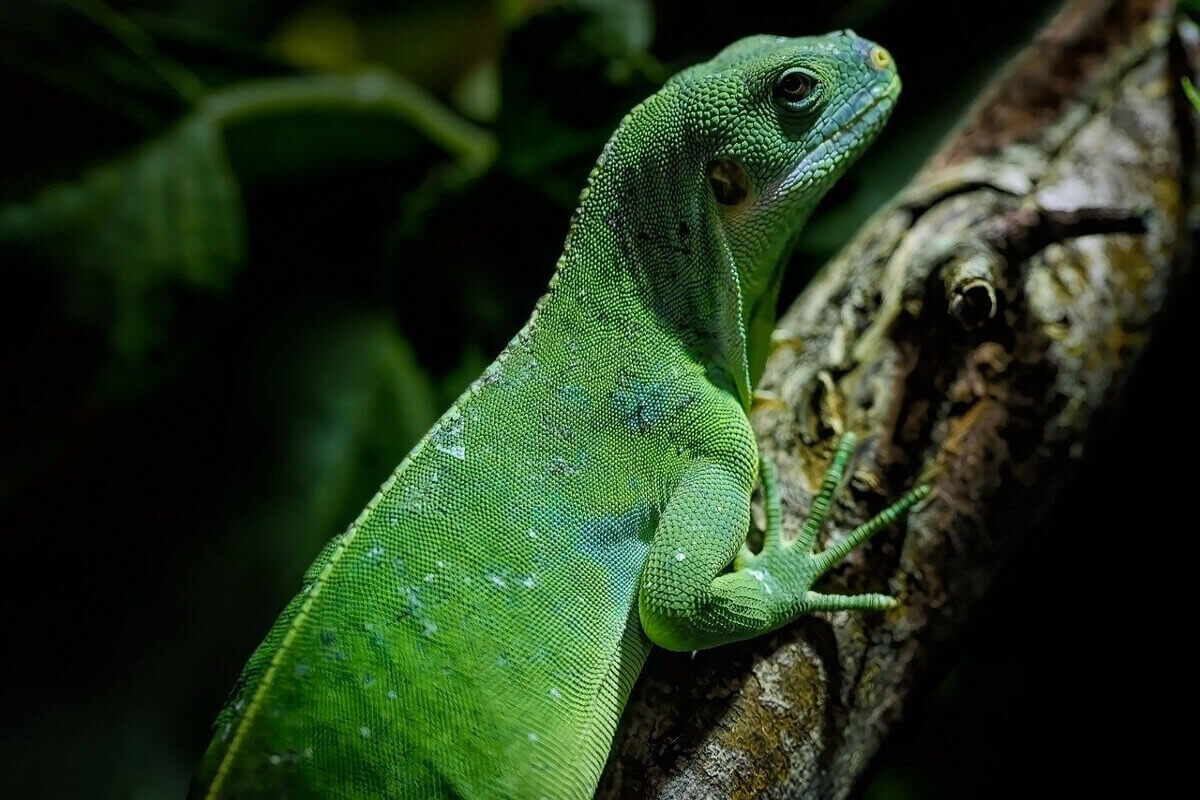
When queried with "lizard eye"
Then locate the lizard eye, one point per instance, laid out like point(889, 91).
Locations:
point(794, 86)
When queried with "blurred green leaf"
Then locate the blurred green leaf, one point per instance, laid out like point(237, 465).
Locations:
point(313, 123)
point(128, 236)
point(320, 38)
point(132, 38)
point(168, 213)
point(619, 31)
point(72, 71)
point(470, 366)
point(333, 403)
point(322, 408)
point(431, 43)
point(1189, 89)
point(568, 74)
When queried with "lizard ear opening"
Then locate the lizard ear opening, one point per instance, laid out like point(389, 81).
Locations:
point(728, 180)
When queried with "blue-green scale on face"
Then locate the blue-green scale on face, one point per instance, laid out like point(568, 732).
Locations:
point(477, 630)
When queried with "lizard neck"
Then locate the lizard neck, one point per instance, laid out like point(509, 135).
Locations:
point(647, 241)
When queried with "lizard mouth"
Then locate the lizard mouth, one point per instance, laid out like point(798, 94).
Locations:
point(874, 105)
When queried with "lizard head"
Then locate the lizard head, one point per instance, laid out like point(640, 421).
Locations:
point(703, 188)
point(774, 122)
point(781, 120)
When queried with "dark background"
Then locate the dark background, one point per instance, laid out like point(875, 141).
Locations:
point(221, 331)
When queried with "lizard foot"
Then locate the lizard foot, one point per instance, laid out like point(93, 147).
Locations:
point(794, 557)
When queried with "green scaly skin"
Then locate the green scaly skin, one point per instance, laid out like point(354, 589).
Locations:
point(477, 630)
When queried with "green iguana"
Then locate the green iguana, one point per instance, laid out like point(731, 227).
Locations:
point(477, 630)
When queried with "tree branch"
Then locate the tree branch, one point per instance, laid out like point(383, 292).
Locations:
point(970, 334)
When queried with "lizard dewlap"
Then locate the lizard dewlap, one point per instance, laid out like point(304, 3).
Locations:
point(477, 630)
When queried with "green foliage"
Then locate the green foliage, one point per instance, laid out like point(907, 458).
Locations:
point(168, 215)
point(1189, 89)
point(335, 405)
point(132, 233)
point(566, 77)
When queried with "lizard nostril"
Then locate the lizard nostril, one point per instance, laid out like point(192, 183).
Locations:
point(880, 58)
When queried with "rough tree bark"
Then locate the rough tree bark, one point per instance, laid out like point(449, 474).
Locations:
point(970, 334)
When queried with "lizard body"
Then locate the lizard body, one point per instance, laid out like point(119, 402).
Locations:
point(477, 630)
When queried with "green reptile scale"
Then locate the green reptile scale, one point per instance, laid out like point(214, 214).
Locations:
point(477, 630)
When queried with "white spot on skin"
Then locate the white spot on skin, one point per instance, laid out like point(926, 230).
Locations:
point(430, 629)
point(364, 732)
point(761, 576)
point(391, 693)
point(680, 556)
point(533, 737)
point(308, 752)
point(455, 451)
point(429, 577)
point(497, 581)
point(529, 582)
point(375, 553)
point(555, 693)
point(532, 533)
point(275, 759)
point(448, 439)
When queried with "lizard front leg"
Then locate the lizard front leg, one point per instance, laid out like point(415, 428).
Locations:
point(689, 600)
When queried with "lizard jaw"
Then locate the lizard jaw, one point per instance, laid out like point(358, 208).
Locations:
point(858, 131)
